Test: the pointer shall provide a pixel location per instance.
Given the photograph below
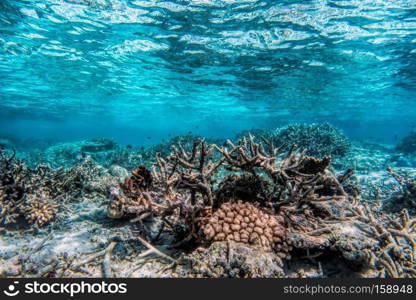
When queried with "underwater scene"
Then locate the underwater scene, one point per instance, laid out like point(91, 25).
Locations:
point(207, 138)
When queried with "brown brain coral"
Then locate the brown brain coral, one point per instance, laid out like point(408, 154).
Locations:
point(246, 223)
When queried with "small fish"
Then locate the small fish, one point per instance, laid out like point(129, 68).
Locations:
point(396, 137)
point(129, 146)
point(149, 137)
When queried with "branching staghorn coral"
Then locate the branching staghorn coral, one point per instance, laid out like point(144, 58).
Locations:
point(13, 188)
point(135, 199)
point(395, 255)
point(211, 193)
point(319, 139)
point(36, 195)
point(227, 206)
point(9, 209)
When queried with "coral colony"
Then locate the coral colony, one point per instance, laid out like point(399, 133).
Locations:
point(259, 206)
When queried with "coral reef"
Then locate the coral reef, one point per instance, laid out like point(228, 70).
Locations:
point(36, 195)
point(40, 212)
point(284, 203)
point(319, 139)
point(233, 260)
point(366, 157)
point(245, 223)
point(395, 255)
point(165, 147)
point(249, 208)
point(9, 208)
point(405, 197)
point(135, 199)
point(98, 145)
point(10, 141)
point(408, 144)
point(102, 151)
point(13, 188)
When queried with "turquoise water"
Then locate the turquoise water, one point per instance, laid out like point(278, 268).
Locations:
point(139, 71)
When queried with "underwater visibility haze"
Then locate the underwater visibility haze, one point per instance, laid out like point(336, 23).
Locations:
point(284, 130)
point(133, 69)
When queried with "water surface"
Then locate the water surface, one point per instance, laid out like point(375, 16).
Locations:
point(133, 69)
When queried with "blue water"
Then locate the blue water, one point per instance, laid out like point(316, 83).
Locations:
point(130, 70)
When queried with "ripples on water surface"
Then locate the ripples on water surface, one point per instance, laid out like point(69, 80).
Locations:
point(213, 67)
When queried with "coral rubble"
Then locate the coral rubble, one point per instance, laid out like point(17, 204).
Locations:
point(230, 259)
point(395, 254)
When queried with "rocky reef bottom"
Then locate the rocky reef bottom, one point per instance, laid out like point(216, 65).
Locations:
point(200, 208)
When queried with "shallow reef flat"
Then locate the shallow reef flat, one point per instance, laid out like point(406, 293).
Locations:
point(193, 207)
